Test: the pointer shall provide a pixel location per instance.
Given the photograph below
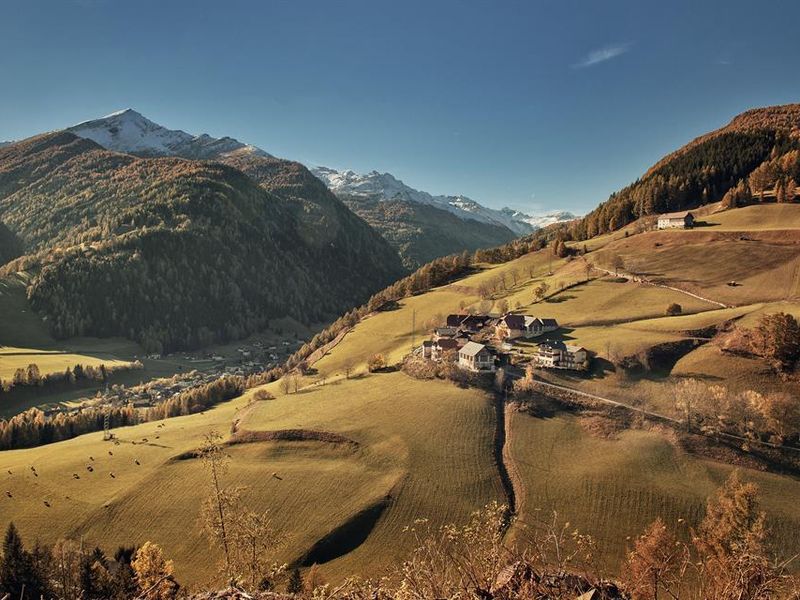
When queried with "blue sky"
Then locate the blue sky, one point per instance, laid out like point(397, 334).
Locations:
point(534, 104)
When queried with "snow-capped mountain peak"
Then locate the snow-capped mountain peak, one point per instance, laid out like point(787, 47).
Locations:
point(385, 186)
point(131, 132)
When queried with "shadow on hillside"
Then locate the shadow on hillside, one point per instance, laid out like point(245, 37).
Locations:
point(560, 298)
point(347, 536)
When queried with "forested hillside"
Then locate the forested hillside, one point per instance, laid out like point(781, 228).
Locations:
point(706, 169)
point(9, 244)
point(175, 253)
point(421, 233)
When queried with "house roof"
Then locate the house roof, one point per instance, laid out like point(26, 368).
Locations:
point(447, 343)
point(529, 320)
point(549, 322)
point(455, 320)
point(573, 348)
point(474, 321)
point(558, 345)
point(514, 321)
point(472, 348)
point(676, 215)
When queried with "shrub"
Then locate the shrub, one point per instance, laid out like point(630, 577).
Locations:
point(376, 362)
point(674, 309)
point(262, 394)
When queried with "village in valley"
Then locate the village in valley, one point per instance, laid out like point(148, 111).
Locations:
point(482, 343)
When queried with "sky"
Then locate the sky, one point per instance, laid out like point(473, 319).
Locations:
point(537, 105)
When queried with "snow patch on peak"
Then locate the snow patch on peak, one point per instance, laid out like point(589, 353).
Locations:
point(386, 186)
point(117, 113)
point(130, 132)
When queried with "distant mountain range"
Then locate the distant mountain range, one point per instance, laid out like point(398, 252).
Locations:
point(418, 225)
point(385, 186)
point(422, 226)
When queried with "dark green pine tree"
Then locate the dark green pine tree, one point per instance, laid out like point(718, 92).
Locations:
point(18, 578)
point(13, 565)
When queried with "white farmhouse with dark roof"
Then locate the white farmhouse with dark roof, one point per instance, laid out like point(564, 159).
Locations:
point(676, 220)
point(476, 357)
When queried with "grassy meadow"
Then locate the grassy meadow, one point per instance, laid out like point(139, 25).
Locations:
point(613, 488)
point(425, 445)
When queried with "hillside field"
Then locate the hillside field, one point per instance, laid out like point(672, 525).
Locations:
point(425, 445)
point(614, 488)
point(425, 449)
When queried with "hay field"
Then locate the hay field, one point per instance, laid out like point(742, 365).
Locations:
point(428, 445)
point(613, 488)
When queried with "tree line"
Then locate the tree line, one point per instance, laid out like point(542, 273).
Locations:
point(35, 428)
point(32, 375)
point(703, 173)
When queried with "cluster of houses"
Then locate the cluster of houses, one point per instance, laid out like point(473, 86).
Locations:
point(473, 340)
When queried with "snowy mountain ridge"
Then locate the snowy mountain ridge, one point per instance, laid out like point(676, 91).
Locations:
point(128, 131)
point(386, 186)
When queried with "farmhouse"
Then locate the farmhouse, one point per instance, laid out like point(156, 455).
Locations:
point(535, 326)
point(445, 332)
point(476, 357)
point(511, 327)
point(436, 349)
point(466, 322)
point(474, 323)
point(557, 355)
point(676, 220)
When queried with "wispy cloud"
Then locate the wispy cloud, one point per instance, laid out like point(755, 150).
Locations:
point(600, 55)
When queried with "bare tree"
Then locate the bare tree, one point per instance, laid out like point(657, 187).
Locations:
point(617, 263)
point(217, 463)
point(254, 542)
point(541, 291)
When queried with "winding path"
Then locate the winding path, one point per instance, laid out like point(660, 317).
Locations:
point(640, 279)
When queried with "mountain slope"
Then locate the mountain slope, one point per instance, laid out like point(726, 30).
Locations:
point(130, 132)
point(703, 170)
point(421, 232)
point(173, 252)
point(419, 226)
point(422, 226)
